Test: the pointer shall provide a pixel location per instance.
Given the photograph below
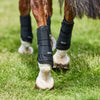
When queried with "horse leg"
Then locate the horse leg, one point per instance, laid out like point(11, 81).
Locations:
point(45, 59)
point(61, 60)
point(26, 30)
point(49, 14)
point(52, 39)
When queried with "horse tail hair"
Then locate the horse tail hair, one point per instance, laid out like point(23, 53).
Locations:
point(91, 8)
point(60, 5)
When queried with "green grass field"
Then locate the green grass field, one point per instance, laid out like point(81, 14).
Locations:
point(18, 72)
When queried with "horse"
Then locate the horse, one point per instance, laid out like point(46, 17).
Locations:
point(41, 9)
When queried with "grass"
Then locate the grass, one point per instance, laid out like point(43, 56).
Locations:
point(18, 72)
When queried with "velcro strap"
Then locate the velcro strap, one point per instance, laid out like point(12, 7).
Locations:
point(67, 27)
point(44, 43)
point(25, 20)
point(45, 59)
point(44, 35)
point(45, 50)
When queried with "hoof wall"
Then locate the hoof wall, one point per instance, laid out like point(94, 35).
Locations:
point(37, 87)
point(44, 85)
point(60, 67)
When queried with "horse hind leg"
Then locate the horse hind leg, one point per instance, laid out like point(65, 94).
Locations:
point(61, 60)
point(50, 11)
point(45, 59)
point(26, 29)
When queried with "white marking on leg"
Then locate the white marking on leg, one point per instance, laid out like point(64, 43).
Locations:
point(54, 42)
point(44, 79)
point(61, 57)
point(25, 48)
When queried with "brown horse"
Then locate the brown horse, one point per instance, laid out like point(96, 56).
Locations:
point(41, 9)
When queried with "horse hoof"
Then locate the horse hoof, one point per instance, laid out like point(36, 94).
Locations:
point(61, 61)
point(44, 80)
point(25, 48)
point(28, 50)
point(37, 87)
point(53, 42)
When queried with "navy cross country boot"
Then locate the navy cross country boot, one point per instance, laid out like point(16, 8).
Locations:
point(45, 59)
point(26, 35)
point(61, 60)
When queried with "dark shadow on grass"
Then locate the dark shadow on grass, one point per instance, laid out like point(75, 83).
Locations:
point(80, 74)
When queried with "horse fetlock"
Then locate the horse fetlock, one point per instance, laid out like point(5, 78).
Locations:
point(44, 79)
point(44, 67)
point(25, 48)
point(61, 60)
point(25, 44)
